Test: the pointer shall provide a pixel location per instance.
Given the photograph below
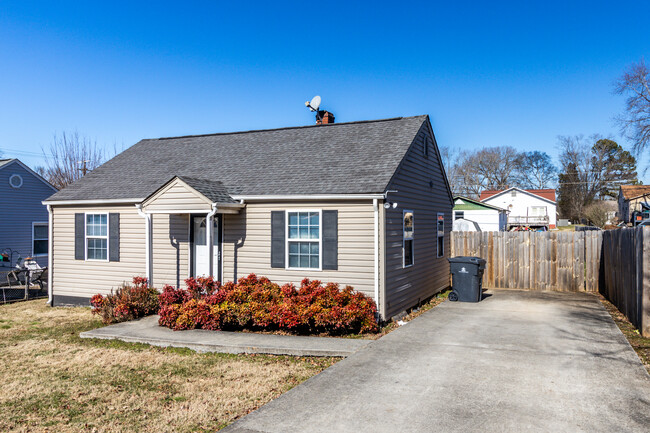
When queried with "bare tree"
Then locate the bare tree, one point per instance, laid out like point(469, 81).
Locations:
point(598, 212)
point(591, 172)
point(635, 123)
point(69, 157)
point(450, 163)
point(535, 170)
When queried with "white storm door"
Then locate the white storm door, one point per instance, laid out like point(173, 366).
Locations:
point(200, 249)
point(201, 261)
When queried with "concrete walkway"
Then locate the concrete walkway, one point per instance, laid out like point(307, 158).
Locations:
point(147, 331)
point(518, 361)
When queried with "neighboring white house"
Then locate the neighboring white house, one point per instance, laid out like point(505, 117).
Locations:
point(489, 218)
point(535, 208)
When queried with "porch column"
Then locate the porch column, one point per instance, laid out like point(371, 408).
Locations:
point(209, 221)
point(148, 252)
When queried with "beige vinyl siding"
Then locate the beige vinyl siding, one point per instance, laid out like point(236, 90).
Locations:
point(82, 278)
point(405, 287)
point(177, 197)
point(247, 244)
point(170, 241)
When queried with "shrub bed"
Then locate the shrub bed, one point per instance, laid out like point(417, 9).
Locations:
point(258, 304)
point(126, 303)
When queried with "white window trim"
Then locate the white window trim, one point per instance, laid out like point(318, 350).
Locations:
point(286, 239)
point(108, 246)
point(438, 255)
point(39, 223)
point(404, 265)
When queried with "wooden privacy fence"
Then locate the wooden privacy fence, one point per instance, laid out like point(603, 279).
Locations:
point(562, 261)
point(626, 274)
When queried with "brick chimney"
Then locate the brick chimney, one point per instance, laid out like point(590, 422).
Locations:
point(326, 117)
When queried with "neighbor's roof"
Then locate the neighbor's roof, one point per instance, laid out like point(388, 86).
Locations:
point(339, 158)
point(4, 163)
point(631, 192)
point(548, 194)
point(469, 204)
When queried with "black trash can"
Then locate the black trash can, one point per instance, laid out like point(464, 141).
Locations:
point(467, 278)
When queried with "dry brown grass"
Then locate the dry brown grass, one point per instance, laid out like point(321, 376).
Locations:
point(640, 344)
point(54, 381)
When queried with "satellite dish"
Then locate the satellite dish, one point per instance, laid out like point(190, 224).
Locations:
point(313, 104)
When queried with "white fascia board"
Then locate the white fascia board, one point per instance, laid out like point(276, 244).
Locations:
point(85, 202)
point(308, 197)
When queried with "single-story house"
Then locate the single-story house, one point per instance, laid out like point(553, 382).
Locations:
point(535, 208)
point(488, 218)
point(365, 204)
point(630, 200)
point(23, 218)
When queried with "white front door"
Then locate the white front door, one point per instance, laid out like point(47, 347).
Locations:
point(201, 259)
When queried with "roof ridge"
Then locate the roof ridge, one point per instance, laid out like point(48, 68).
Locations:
point(286, 128)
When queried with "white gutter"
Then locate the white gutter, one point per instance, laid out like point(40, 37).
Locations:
point(99, 201)
point(209, 225)
point(308, 197)
point(50, 255)
point(375, 207)
point(148, 250)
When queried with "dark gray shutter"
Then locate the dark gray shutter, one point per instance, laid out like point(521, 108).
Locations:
point(79, 236)
point(330, 239)
point(277, 239)
point(114, 237)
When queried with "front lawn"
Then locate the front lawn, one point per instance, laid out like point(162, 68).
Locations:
point(55, 381)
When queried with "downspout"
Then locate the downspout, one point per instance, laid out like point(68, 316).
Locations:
point(209, 225)
point(50, 256)
point(147, 255)
point(375, 207)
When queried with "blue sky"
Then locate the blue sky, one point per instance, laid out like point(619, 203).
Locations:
point(488, 74)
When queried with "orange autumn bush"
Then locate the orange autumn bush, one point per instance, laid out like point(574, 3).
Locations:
point(255, 303)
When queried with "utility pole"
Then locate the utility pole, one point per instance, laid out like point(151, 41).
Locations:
point(83, 168)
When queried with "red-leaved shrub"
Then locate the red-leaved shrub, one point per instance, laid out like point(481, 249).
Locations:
point(258, 304)
point(127, 302)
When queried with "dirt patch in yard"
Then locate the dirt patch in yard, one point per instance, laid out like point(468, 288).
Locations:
point(55, 381)
point(640, 344)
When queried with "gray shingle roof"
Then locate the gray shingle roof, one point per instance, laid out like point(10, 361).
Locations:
point(5, 161)
point(340, 158)
point(212, 189)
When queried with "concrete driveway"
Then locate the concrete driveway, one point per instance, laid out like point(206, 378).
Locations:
point(517, 361)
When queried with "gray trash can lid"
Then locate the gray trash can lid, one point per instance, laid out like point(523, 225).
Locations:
point(467, 259)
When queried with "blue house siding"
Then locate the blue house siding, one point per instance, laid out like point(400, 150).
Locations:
point(19, 209)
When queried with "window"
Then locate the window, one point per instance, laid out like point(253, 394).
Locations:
point(407, 238)
point(426, 146)
point(459, 214)
point(96, 236)
point(304, 239)
point(441, 234)
point(39, 239)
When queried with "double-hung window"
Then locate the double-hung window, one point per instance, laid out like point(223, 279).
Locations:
point(440, 225)
point(304, 239)
point(407, 238)
point(97, 236)
point(39, 239)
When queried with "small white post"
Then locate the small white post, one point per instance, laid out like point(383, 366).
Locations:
point(148, 268)
point(209, 221)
